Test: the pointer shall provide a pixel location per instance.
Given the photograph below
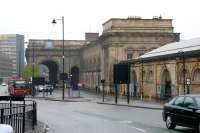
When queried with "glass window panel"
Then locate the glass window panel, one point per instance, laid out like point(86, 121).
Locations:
point(189, 102)
point(197, 74)
point(179, 101)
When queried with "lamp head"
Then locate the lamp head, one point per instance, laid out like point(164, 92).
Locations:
point(54, 21)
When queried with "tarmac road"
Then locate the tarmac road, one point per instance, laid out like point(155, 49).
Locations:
point(89, 117)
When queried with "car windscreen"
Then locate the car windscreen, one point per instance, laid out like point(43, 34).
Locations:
point(20, 86)
point(198, 101)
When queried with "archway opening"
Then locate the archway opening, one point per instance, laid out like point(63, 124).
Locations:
point(75, 77)
point(166, 84)
point(52, 71)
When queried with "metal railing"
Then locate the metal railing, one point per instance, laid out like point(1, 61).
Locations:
point(19, 113)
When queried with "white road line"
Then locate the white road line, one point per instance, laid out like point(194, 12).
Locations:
point(128, 122)
point(139, 129)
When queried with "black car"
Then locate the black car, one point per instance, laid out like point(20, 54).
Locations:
point(183, 111)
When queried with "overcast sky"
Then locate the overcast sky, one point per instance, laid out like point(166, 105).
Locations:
point(32, 18)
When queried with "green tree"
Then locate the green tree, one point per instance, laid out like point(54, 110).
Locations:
point(28, 72)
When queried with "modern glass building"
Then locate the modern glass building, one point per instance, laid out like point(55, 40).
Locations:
point(12, 46)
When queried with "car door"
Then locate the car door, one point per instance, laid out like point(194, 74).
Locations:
point(189, 115)
point(177, 111)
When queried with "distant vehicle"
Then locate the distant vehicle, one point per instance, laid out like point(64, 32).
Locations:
point(18, 86)
point(3, 84)
point(45, 88)
point(183, 111)
point(5, 128)
point(41, 88)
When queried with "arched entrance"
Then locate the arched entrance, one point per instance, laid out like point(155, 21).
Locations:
point(75, 77)
point(166, 84)
point(52, 71)
point(133, 84)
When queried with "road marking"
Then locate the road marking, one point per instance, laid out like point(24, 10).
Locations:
point(128, 122)
point(139, 129)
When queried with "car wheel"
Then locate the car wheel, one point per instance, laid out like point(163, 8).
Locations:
point(169, 123)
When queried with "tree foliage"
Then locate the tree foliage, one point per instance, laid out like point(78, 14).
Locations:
point(27, 73)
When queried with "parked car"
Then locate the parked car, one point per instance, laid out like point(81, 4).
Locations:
point(183, 111)
point(3, 84)
point(41, 88)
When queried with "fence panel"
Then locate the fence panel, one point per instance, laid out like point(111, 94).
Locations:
point(22, 117)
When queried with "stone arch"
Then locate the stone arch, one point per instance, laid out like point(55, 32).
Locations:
point(53, 68)
point(166, 83)
point(75, 77)
point(181, 72)
point(133, 83)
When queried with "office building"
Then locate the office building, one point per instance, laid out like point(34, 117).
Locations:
point(12, 46)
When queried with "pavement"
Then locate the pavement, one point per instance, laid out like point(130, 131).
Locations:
point(87, 96)
point(40, 128)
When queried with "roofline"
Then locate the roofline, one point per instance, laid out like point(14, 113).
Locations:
point(185, 55)
point(52, 40)
point(133, 19)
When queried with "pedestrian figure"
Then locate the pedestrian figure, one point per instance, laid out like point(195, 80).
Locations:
point(96, 89)
point(51, 90)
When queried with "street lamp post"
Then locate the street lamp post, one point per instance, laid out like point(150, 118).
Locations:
point(33, 72)
point(180, 58)
point(63, 54)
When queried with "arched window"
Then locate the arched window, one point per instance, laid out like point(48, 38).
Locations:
point(197, 74)
point(150, 76)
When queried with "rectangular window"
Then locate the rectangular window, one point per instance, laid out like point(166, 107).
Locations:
point(129, 56)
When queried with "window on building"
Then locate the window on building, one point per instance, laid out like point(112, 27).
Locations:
point(129, 56)
point(150, 76)
point(141, 52)
point(197, 74)
point(48, 44)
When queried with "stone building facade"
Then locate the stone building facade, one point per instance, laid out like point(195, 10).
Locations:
point(121, 39)
point(49, 53)
point(167, 71)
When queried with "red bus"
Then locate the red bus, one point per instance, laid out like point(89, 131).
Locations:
point(18, 86)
